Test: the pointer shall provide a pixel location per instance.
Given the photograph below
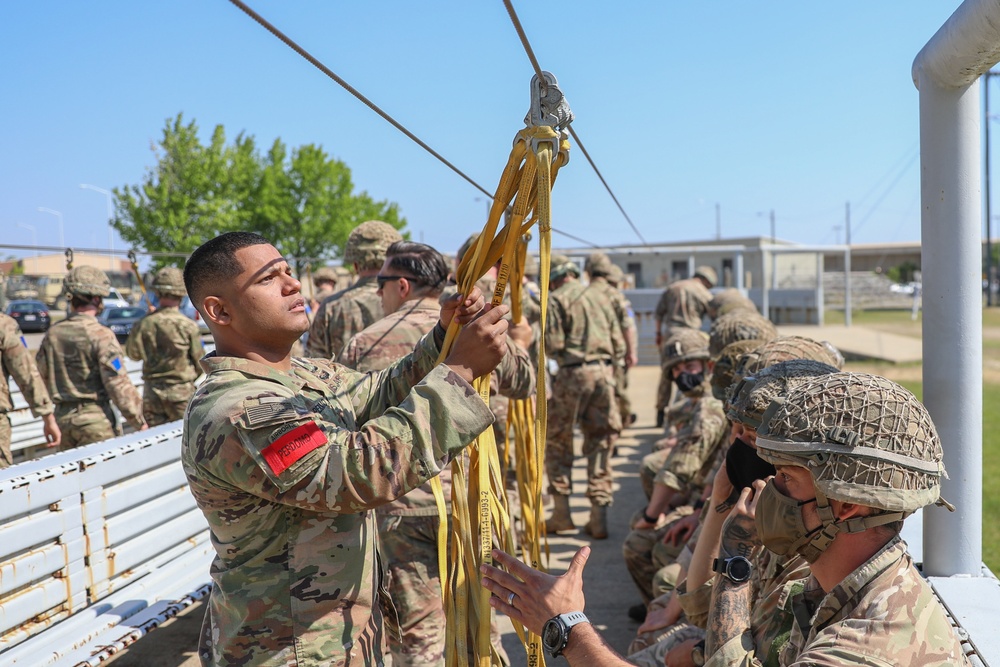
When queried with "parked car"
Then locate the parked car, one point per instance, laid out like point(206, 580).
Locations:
point(187, 307)
point(30, 315)
point(121, 319)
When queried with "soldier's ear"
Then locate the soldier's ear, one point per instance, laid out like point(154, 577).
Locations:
point(216, 311)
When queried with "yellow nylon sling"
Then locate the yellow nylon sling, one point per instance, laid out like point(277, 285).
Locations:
point(527, 180)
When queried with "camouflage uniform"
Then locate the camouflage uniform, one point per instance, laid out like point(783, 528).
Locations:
point(408, 525)
point(682, 305)
point(17, 363)
point(739, 325)
point(584, 337)
point(626, 322)
point(287, 468)
point(686, 467)
point(728, 301)
point(168, 344)
point(81, 362)
point(341, 316)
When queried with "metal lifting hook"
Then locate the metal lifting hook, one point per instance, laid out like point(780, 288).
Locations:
point(69, 258)
point(549, 107)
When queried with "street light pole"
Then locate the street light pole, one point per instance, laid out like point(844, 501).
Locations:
point(62, 237)
point(111, 213)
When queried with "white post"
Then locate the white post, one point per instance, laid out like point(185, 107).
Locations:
point(765, 304)
point(946, 73)
point(820, 303)
point(848, 307)
point(739, 270)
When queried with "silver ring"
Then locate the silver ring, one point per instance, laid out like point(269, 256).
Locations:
point(510, 599)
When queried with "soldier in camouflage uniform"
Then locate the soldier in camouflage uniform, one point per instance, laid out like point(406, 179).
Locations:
point(17, 363)
point(168, 344)
point(81, 363)
point(682, 470)
point(855, 455)
point(324, 281)
point(583, 335)
point(728, 301)
point(681, 306)
point(739, 325)
point(350, 310)
point(411, 280)
point(725, 366)
point(600, 269)
point(288, 458)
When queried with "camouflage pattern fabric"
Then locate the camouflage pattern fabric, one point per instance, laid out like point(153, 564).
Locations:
point(882, 613)
point(739, 325)
point(341, 316)
point(725, 366)
point(689, 461)
point(728, 301)
point(683, 304)
point(287, 468)
point(17, 362)
point(582, 326)
point(83, 367)
point(408, 525)
point(655, 654)
point(626, 321)
point(782, 348)
point(644, 551)
point(168, 344)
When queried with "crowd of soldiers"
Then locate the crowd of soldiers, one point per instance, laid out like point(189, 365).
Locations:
point(774, 498)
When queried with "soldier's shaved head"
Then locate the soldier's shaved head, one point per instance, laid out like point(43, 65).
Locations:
point(214, 263)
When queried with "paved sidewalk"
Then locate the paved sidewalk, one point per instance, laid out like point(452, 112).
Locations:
point(861, 343)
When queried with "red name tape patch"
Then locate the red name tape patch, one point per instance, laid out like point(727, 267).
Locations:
point(292, 446)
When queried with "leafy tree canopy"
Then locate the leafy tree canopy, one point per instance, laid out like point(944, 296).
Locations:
point(303, 200)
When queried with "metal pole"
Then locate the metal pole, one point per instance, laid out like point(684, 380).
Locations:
point(765, 299)
point(986, 187)
point(847, 269)
point(951, 256)
point(62, 238)
point(820, 305)
point(739, 270)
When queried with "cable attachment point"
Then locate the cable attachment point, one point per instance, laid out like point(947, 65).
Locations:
point(548, 104)
point(69, 258)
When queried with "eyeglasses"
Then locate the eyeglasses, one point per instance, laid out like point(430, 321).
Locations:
point(382, 280)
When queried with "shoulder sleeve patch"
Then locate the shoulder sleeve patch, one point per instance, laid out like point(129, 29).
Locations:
point(292, 446)
point(116, 363)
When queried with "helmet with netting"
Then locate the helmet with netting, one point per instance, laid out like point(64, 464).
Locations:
point(464, 248)
point(752, 396)
point(783, 348)
point(324, 274)
point(616, 277)
point(739, 325)
point(707, 273)
point(598, 264)
point(863, 438)
point(560, 265)
point(727, 301)
point(684, 345)
point(87, 281)
point(725, 366)
point(169, 281)
point(368, 242)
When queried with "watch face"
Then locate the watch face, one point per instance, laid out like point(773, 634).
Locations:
point(739, 569)
point(552, 635)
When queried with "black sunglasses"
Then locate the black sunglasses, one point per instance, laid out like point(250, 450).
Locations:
point(382, 280)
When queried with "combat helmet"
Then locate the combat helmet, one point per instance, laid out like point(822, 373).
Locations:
point(368, 242)
point(752, 396)
point(708, 273)
point(781, 349)
point(684, 345)
point(87, 281)
point(864, 439)
point(739, 325)
point(725, 366)
point(617, 276)
point(324, 274)
point(598, 264)
point(561, 265)
point(169, 281)
point(727, 301)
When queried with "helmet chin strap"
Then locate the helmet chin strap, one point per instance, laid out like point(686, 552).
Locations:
point(823, 536)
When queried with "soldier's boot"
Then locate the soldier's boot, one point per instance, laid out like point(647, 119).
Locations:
point(597, 527)
point(560, 523)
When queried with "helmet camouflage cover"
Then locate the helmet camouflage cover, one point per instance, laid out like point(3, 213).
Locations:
point(752, 396)
point(169, 281)
point(708, 273)
point(684, 345)
point(87, 281)
point(863, 438)
point(368, 242)
point(725, 365)
point(560, 265)
point(324, 273)
point(739, 325)
point(781, 349)
point(729, 300)
point(598, 264)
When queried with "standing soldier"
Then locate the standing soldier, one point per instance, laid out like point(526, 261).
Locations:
point(17, 363)
point(584, 337)
point(682, 305)
point(350, 310)
point(81, 363)
point(324, 285)
point(168, 344)
point(605, 276)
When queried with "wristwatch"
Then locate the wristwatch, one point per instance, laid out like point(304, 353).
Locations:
point(698, 654)
point(555, 634)
point(737, 569)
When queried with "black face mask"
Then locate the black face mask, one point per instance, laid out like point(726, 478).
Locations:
point(689, 381)
point(744, 466)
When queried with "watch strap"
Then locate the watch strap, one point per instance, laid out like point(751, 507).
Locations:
point(572, 618)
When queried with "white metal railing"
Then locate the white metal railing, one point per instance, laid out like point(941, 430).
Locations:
point(97, 546)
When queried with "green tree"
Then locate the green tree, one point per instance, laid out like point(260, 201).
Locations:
point(305, 203)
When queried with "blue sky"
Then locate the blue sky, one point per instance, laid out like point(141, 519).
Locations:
point(798, 107)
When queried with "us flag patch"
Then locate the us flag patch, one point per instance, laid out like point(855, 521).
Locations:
point(292, 446)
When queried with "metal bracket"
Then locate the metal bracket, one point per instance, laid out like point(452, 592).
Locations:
point(69, 259)
point(549, 108)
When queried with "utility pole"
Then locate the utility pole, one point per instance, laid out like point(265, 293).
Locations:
point(989, 218)
point(847, 266)
point(718, 221)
